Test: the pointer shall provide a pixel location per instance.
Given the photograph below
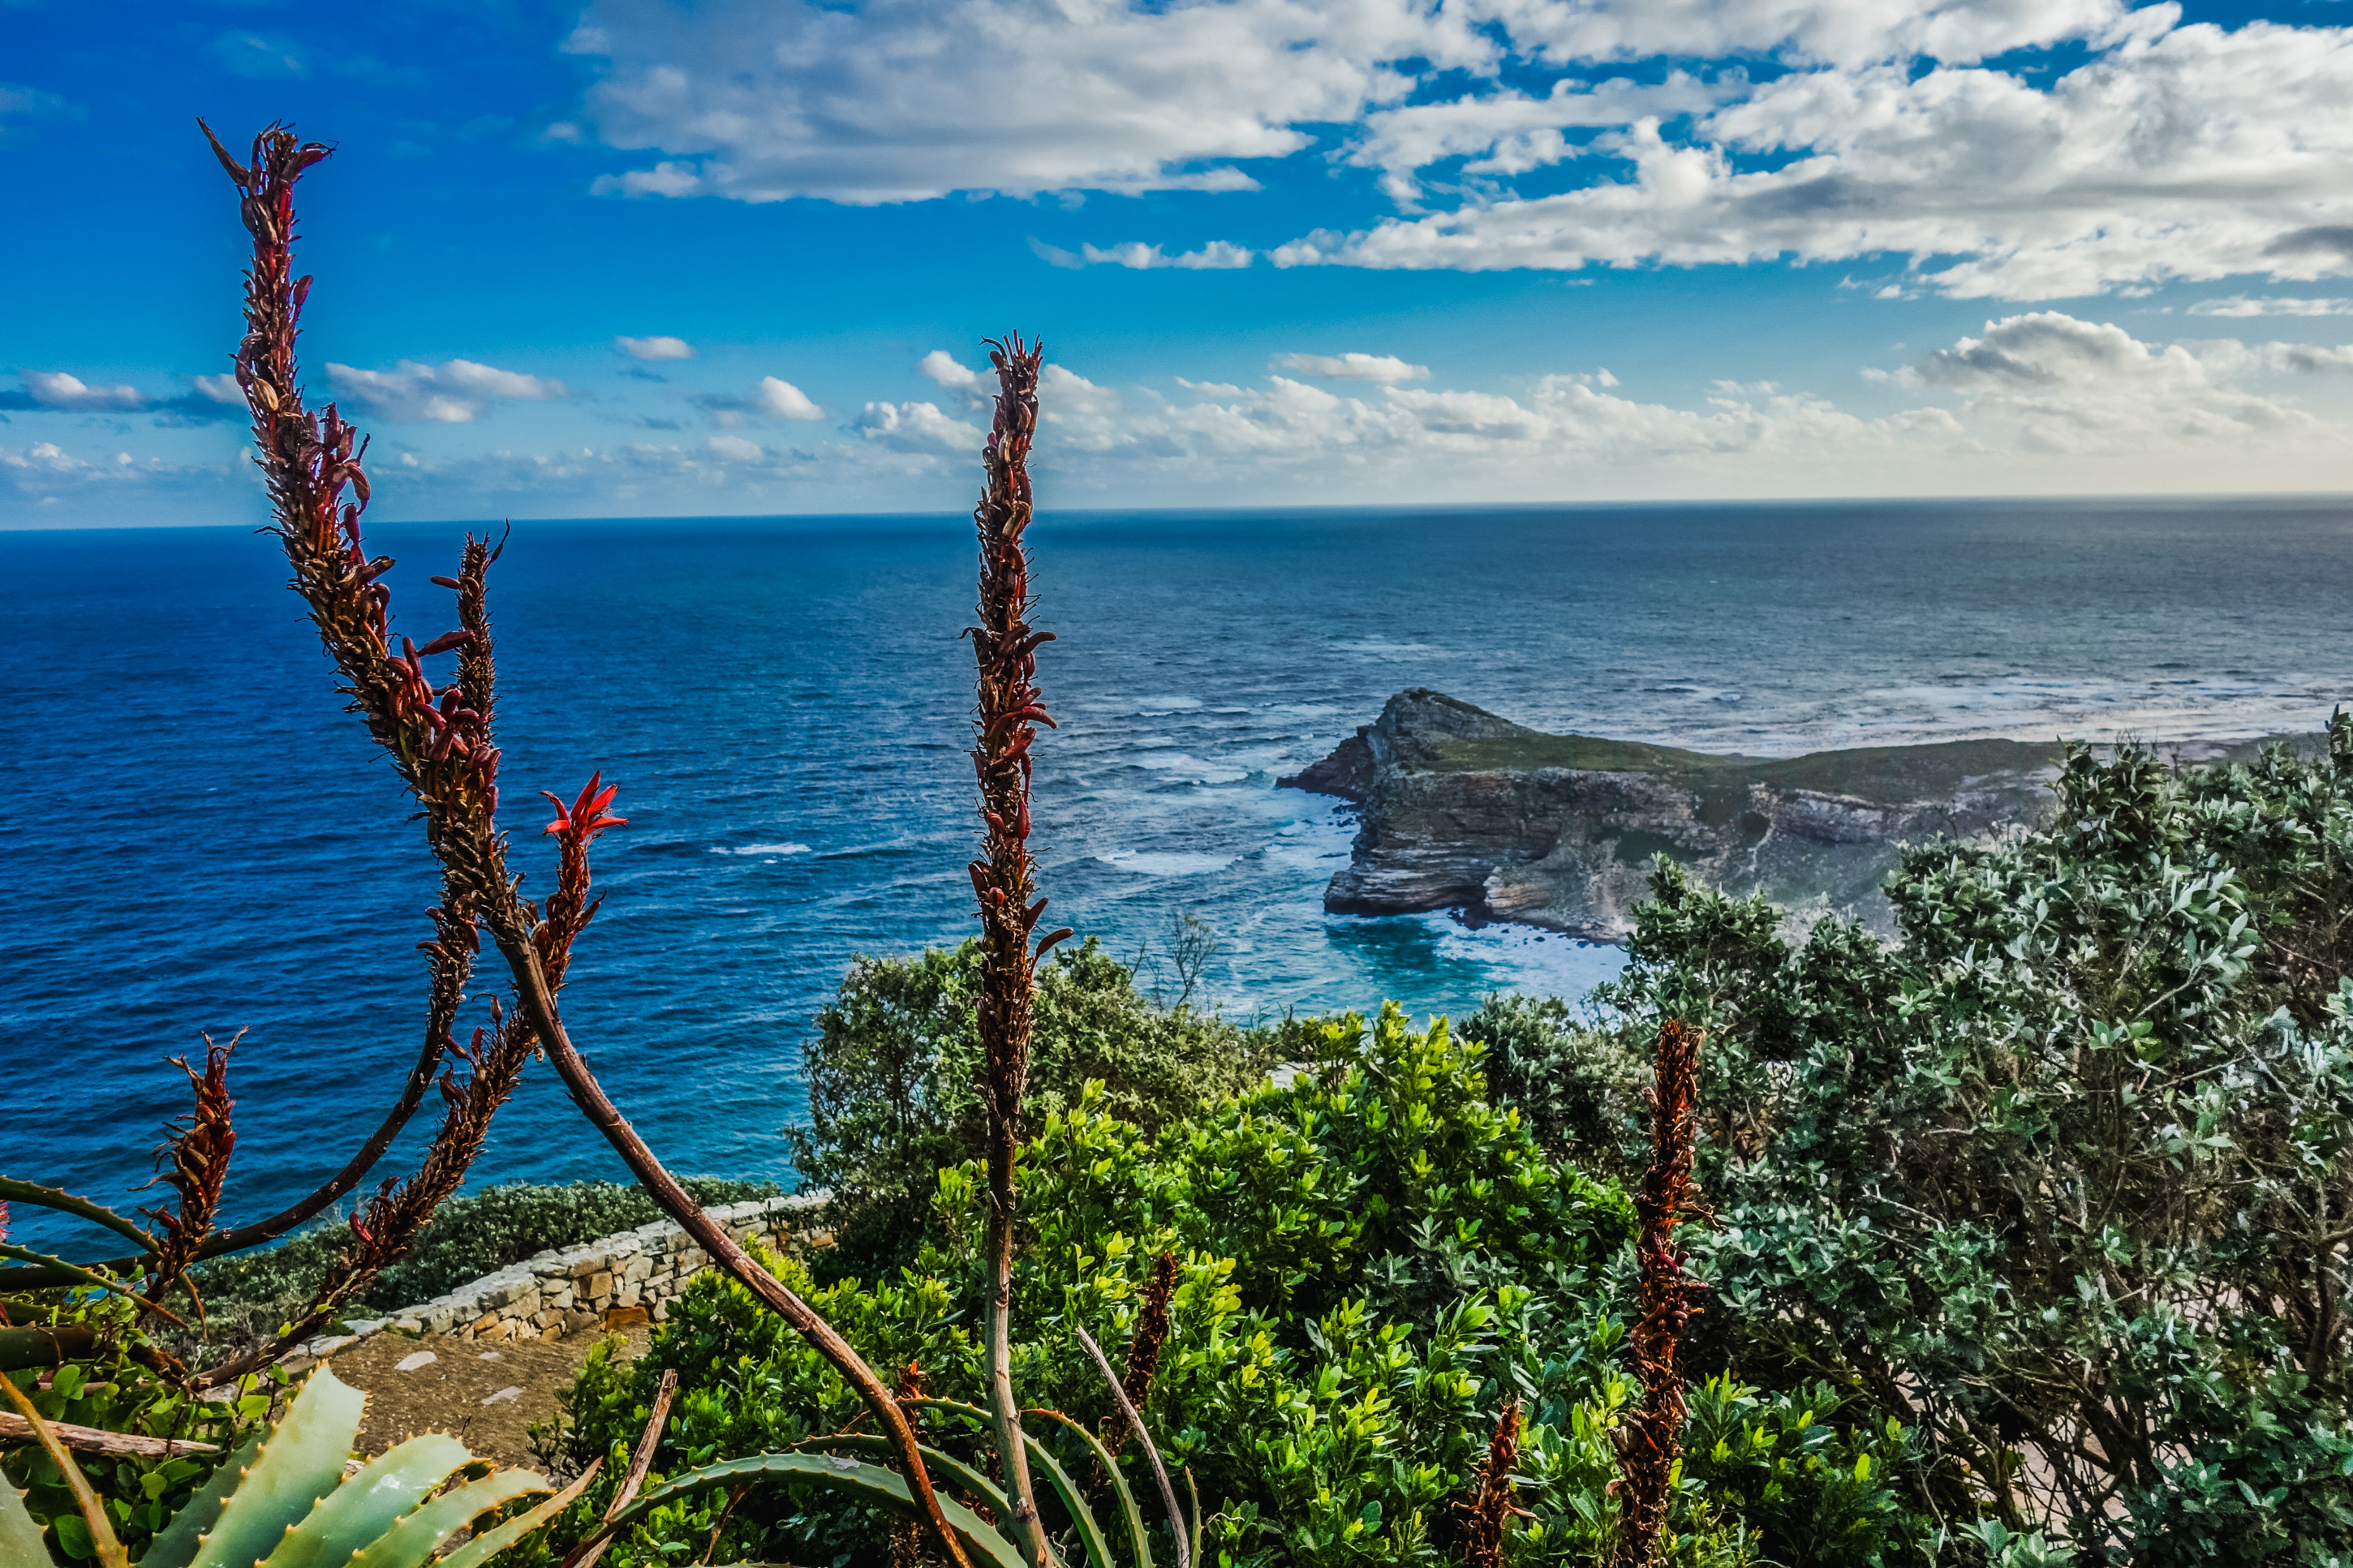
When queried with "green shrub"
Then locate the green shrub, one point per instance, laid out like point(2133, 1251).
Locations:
point(2063, 1181)
point(893, 1069)
point(1576, 1084)
point(1372, 1259)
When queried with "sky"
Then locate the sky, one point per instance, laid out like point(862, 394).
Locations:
point(652, 258)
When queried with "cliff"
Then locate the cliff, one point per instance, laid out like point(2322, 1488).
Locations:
point(1464, 810)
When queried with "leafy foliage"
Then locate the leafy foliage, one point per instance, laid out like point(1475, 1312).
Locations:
point(2064, 1180)
point(892, 1073)
point(1371, 1260)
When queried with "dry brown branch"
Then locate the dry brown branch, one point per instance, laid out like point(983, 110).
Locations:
point(14, 1429)
point(585, 1555)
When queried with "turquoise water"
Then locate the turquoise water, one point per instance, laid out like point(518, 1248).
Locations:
point(198, 839)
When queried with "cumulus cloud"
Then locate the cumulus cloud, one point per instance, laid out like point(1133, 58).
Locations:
point(903, 99)
point(945, 368)
point(58, 391)
point(918, 427)
point(456, 393)
point(2148, 150)
point(1352, 367)
point(2073, 385)
point(655, 348)
point(774, 398)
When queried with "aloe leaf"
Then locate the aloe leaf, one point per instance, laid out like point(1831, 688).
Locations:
point(1082, 1519)
point(868, 1483)
point(414, 1537)
point(177, 1546)
point(300, 1461)
point(365, 1506)
point(1192, 1500)
point(939, 1464)
point(490, 1543)
point(1139, 1540)
point(20, 1538)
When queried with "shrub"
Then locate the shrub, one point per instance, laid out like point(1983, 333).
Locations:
point(1576, 1084)
point(1370, 1261)
point(2062, 1181)
point(893, 1071)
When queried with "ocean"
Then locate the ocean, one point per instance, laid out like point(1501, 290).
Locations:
point(198, 839)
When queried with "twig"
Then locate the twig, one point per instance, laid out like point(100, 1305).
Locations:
point(14, 1429)
point(585, 1555)
point(1151, 1449)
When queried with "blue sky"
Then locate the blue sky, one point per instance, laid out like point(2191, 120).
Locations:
point(648, 257)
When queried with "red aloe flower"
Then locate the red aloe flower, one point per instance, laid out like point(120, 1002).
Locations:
point(583, 817)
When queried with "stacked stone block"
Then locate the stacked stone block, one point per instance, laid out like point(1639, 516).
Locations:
point(603, 1283)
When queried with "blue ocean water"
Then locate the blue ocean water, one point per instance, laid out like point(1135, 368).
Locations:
point(198, 839)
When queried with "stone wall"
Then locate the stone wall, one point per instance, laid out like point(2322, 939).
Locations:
point(629, 1278)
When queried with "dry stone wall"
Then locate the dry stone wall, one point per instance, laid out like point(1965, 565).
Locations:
point(601, 1284)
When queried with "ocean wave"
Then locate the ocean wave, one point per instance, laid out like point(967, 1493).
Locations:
point(1164, 863)
point(766, 849)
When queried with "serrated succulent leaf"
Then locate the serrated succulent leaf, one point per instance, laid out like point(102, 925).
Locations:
point(941, 1465)
point(868, 1483)
point(20, 1538)
point(176, 1547)
point(357, 1512)
point(490, 1542)
point(1138, 1539)
point(1091, 1533)
point(300, 1461)
point(414, 1537)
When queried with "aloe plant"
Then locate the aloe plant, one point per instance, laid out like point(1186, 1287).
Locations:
point(285, 1502)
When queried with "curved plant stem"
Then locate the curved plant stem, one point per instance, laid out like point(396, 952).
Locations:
point(538, 1008)
point(1151, 1449)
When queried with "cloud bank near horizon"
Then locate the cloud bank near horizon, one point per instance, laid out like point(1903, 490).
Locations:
point(2032, 395)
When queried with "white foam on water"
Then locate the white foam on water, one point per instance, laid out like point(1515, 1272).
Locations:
point(1168, 863)
point(770, 849)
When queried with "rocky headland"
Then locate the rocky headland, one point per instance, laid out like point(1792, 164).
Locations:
point(1464, 810)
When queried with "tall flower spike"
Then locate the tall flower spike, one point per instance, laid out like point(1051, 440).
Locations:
point(1004, 651)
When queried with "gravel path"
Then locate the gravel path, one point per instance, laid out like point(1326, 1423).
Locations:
point(487, 1397)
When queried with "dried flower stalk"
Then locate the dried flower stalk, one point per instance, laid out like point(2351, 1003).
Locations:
point(1651, 1439)
point(1488, 1511)
point(1005, 649)
point(1144, 1344)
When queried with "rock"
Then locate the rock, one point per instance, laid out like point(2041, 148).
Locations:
point(1462, 809)
point(414, 1360)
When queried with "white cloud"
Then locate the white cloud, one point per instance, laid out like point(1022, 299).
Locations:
point(57, 390)
point(454, 392)
point(1215, 257)
point(655, 348)
point(945, 368)
point(902, 100)
point(1352, 367)
point(919, 427)
point(2192, 154)
point(736, 448)
point(2076, 386)
point(222, 389)
point(2306, 357)
point(2270, 305)
point(783, 400)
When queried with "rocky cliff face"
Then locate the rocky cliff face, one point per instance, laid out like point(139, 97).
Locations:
point(1469, 810)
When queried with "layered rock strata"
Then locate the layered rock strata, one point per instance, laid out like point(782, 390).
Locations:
point(1464, 810)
